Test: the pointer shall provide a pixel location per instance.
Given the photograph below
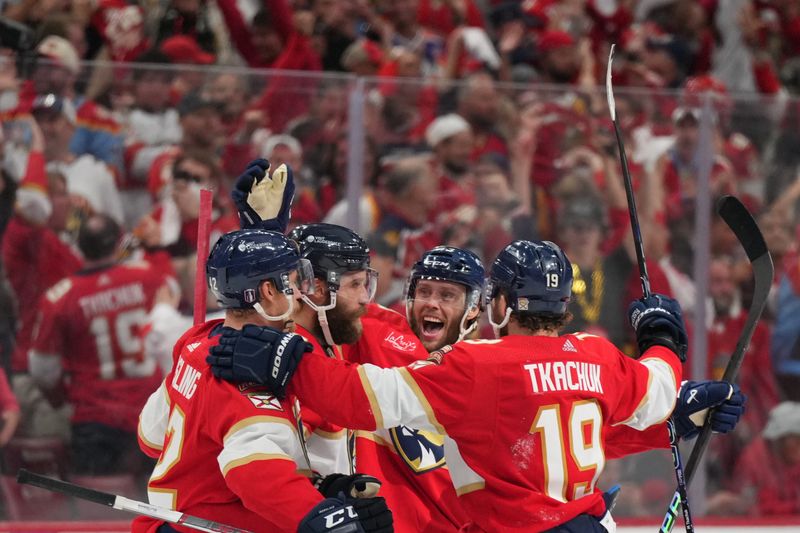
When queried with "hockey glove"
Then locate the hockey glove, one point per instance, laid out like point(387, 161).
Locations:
point(374, 515)
point(331, 515)
point(695, 398)
point(258, 354)
point(262, 201)
point(353, 486)
point(658, 320)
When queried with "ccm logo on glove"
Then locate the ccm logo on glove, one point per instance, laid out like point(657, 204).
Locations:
point(338, 516)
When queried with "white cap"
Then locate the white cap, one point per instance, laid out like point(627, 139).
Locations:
point(784, 419)
point(445, 127)
point(61, 51)
point(277, 140)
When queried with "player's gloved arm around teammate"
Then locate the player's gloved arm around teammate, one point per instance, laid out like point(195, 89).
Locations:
point(658, 321)
point(258, 354)
point(695, 398)
point(264, 201)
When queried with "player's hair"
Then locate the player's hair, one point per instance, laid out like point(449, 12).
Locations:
point(98, 237)
point(536, 322)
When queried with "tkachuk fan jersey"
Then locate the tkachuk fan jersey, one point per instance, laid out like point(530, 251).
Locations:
point(409, 461)
point(526, 416)
point(90, 324)
point(229, 453)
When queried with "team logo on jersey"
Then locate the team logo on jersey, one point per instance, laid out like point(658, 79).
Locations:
point(421, 450)
point(265, 401)
point(399, 342)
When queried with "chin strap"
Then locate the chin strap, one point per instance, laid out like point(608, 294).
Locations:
point(501, 325)
point(285, 316)
point(464, 331)
point(322, 315)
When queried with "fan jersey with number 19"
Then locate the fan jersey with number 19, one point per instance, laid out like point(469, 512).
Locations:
point(526, 416)
point(90, 324)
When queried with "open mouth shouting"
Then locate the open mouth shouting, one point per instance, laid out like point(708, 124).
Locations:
point(432, 328)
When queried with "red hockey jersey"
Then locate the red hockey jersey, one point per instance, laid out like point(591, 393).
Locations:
point(229, 453)
point(525, 416)
point(410, 462)
point(92, 322)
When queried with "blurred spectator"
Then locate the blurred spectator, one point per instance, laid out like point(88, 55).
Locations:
point(85, 176)
point(478, 101)
point(9, 410)
point(87, 350)
point(270, 40)
point(58, 73)
point(183, 50)
point(319, 130)
point(727, 320)
point(767, 480)
point(407, 201)
point(786, 333)
point(153, 128)
point(189, 18)
point(36, 258)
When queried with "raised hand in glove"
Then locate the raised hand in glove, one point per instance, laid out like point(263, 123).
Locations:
point(331, 515)
point(695, 398)
point(258, 354)
point(658, 320)
point(264, 201)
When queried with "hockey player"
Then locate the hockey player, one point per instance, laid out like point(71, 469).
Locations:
point(443, 296)
point(514, 406)
point(234, 453)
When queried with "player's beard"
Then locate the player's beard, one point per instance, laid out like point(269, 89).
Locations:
point(450, 335)
point(346, 326)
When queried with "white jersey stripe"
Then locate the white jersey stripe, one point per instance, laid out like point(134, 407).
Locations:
point(396, 402)
point(154, 418)
point(259, 437)
point(659, 400)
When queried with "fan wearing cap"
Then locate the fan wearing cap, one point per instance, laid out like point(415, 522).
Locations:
point(85, 175)
point(767, 474)
point(183, 50)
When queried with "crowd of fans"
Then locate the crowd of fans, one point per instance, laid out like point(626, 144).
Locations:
point(482, 121)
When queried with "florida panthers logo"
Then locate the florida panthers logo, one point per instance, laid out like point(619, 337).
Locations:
point(421, 450)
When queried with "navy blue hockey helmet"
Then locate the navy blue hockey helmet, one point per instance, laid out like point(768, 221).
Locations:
point(454, 265)
point(241, 260)
point(536, 277)
point(332, 250)
point(446, 263)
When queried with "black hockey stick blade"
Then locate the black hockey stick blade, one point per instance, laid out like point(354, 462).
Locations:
point(741, 222)
point(124, 504)
point(56, 485)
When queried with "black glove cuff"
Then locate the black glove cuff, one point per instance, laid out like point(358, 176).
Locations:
point(661, 339)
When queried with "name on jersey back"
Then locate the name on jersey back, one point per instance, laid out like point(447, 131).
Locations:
point(565, 376)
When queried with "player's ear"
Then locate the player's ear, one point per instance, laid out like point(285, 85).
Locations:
point(473, 313)
point(268, 291)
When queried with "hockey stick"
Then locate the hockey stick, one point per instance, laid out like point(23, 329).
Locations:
point(203, 235)
point(626, 175)
point(681, 494)
point(124, 504)
point(741, 222)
